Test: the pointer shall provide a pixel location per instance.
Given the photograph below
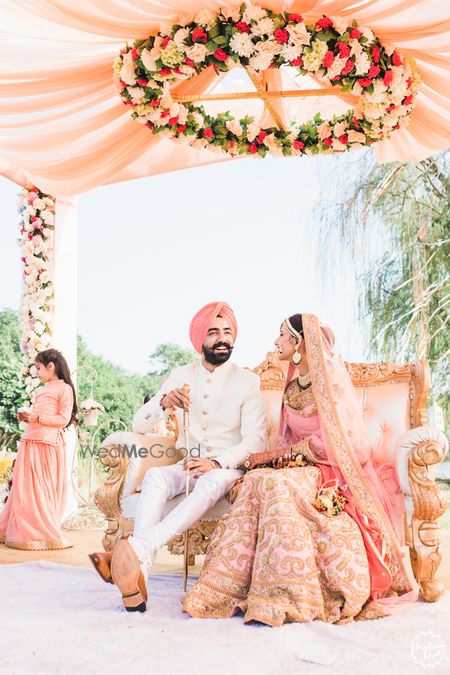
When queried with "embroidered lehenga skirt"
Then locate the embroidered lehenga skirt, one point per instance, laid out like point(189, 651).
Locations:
point(276, 558)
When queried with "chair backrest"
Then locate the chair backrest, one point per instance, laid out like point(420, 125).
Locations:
point(393, 399)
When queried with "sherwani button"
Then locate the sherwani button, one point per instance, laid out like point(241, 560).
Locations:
point(209, 380)
point(205, 428)
point(205, 395)
point(204, 412)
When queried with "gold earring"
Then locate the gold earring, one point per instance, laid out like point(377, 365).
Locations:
point(296, 357)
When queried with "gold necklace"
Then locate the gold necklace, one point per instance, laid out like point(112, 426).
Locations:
point(304, 380)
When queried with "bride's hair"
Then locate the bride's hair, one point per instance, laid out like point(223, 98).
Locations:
point(62, 372)
point(297, 324)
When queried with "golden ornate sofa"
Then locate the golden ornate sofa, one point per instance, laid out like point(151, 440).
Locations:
point(393, 399)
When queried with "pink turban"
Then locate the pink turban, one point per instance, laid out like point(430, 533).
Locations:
point(202, 321)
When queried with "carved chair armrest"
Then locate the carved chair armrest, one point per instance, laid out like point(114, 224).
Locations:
point(418, 451)
point(108, 495)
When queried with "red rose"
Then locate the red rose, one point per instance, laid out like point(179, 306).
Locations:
point(150, 126)
point(177, 70)
point(281, 35)
point(408, 99)
point(328, 141)
point(324, 23)
point(123, 84)
point(297, 62)
point(143, 83)
point(344, 139)
point(134, 53)
point(189, 62)
point(391, 107)
point(295, 18)
point(220, 55)
point(242, 27)
point(155, 102)
point(165, 42)
point(253, 148)
point(375, 54)
point(199, 35)
point(208, 133)
point(261, 136)
point(409, 82)
point(388, 76)
point(173, 120)
point(181, 128)
point(348, 67)
point(396, 60)
point(24, 260)
point(328, 59)
point(364, 82)
point(356, 121)
point(298, 145)
point(373, 71)
point(165, 71)
point(355, 34)
point(165, 112)
point(344, 49)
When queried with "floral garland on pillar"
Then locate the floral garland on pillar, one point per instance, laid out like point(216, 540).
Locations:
point(37, 224)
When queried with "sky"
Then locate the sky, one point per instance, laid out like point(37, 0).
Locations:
point(152, 251)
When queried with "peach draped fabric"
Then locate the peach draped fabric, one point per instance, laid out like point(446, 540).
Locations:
point(63, 125)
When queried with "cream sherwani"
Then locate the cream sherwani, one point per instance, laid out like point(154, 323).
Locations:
point(227, 422)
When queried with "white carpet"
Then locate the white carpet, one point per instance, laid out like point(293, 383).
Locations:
point(63, 619)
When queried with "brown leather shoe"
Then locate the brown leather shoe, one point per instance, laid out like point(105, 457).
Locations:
point(102, 563)
point(127, 575)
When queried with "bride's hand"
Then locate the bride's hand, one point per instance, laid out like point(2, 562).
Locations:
point(282, 461)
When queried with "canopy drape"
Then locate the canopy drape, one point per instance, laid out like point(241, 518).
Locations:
point(63, 125)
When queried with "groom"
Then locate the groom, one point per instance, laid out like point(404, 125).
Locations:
point(227, 422)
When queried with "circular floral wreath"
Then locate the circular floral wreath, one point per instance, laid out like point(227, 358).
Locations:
point(335, 50)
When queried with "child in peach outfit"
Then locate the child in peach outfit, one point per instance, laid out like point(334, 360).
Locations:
point(31, 519)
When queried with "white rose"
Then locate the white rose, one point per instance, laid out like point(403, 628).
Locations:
point(340, 128)
point(197, 52)
point(252, 131)
point(362, 63)
point(298, 34)
point(232, 13)
point(31, 210)
point(338, 146)
point(263, 27)
point(253, 13)
point(291, 52)
point(355, 47)
point(48, 217)
point(336, 68)
point(180, 36)
point(234, 127)
point(39, 204)
point(148, 59)
point(324, 130)
point(205, 18)
point(199, 143)
point(356, 136)
point(340, 23)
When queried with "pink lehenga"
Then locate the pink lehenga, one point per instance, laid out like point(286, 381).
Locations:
point(323, 538)
point(31, 519)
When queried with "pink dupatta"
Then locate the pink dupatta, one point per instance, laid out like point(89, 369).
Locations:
point(343, 451)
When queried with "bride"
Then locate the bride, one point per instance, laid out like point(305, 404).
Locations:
point(315, 530)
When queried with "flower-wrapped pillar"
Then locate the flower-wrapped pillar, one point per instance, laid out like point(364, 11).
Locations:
point(48, 243)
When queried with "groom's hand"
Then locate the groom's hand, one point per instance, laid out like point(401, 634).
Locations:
point(200, 465)
point(177, 398)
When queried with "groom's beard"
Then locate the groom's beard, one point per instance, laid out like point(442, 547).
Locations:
point(216, 358)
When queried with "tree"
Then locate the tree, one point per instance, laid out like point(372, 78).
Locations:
point(401, 210)
point(11, 391)
point(168, 356)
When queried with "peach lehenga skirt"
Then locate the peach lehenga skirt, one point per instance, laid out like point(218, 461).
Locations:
point(33, 512)
point(277, 559)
